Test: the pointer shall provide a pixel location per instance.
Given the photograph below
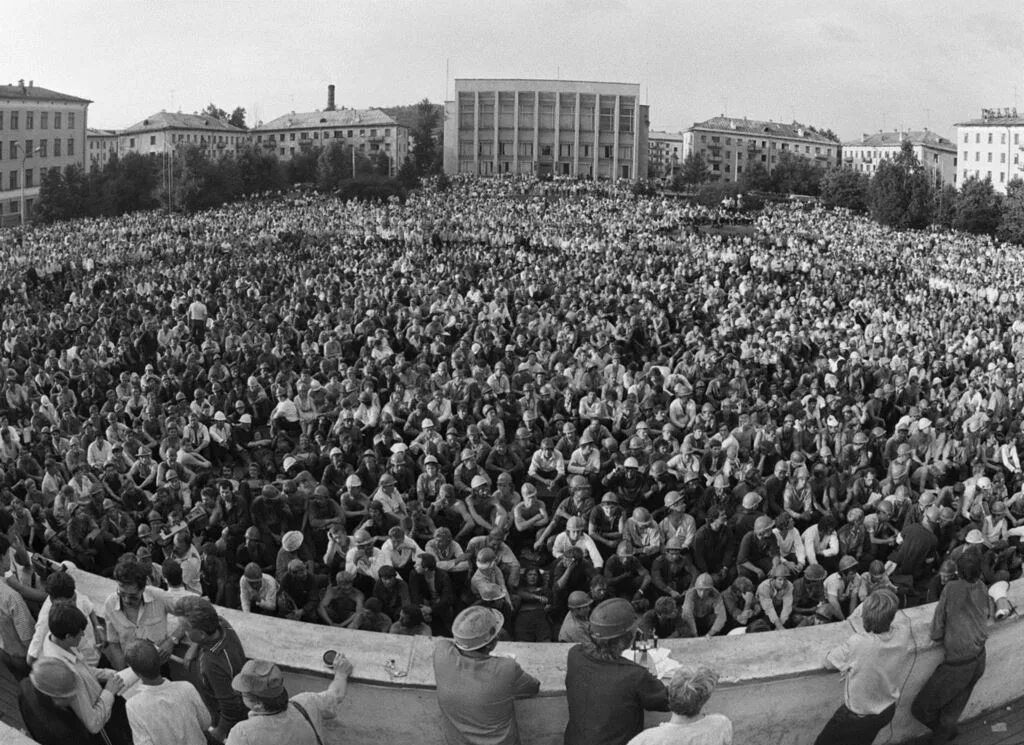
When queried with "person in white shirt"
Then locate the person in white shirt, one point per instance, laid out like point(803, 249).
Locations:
point(688, 691)
point(163, 711)
point(575, 535)
point(60, 587)
point(95, 688)
point(258, 591)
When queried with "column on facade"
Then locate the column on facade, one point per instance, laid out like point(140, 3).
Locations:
point(636, 140)
point(597, 134)
point(515, 131)
point(496, 146)
point(615, 136)
point(536, 129)
point(476, 132)
point(576, 139)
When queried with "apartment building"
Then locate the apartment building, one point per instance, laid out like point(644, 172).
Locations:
point(990, 147)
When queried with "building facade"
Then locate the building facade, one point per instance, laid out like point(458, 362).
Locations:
point(40, 129)
point(666, 152)
point(101, 146)
point(370, 131)
point(546, 127)
point(730, 145)
point(164, 131)
point(990, 147)
point(937, 154)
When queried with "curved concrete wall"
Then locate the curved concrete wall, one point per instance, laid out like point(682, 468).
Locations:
point(773, 686)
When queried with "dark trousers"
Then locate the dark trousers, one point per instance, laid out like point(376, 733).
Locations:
point(847, 728)
point(942, 699)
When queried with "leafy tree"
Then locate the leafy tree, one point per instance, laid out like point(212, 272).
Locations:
point(977, 209)
point(426, 149)
point(215, 112)
point(237, 118)
point(1011, 223)
point(901, 194)
point(844, 187)
point(796, 175)
point(259, 171)
point(131, 185)
point(693, 170)
point(301, 169)
point(407, 175)
point(945, 206)
point(756, 178)
point(334, 165)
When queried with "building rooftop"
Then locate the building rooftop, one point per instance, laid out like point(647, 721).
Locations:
point(335, 118)
point(31, 92)
point(168, 120)
point(90, 132)
point(794, 131)
point(995, 118)
point(895, 139)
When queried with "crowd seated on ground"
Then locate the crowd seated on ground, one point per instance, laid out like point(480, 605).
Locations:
point(526, 396)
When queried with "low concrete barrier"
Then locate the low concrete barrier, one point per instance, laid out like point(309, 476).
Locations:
point(773, 686)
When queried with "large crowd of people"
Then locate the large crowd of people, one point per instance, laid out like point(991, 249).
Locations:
point(530, 397)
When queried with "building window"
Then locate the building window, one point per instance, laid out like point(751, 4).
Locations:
point(44, 120)
point(12, 180)
point(1, 120)
point(607, 123)
point(373, 133)
point(1002, 157)
point(291, 136)
point(56, 147)
point(1002, 138)
point(989, 138)
point(977, 156)
point(14, 120)
point(56, 120)
point(29, 120)
point(30, 146)
point(43, 148)
point(71, 146)
point(977, 138)
point(609, 151)
point(152, 139)
point(545, 151)
point(565, 151)
point(525, 149)
point(990, 157)
point(350, 133)
point(30, 178)
point(131, 142)
point(71, 120)
point(626, 153)
point(626, 118)
point(303, 135)
point(387, 132)
point(281, 151)
point(1002, 177)
point(465, 149)
point(504, 148)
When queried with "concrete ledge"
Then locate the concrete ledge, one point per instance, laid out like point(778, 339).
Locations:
point(773, 685)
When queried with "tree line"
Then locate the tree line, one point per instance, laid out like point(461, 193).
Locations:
point(901, 193)
point(190, 179)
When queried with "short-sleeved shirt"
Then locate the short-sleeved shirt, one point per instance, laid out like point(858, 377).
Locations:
point(289, 726)
point(151, 623)
point(476, 694)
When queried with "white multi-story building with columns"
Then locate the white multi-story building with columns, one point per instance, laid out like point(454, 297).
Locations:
point(546, 127)
point(991, 147)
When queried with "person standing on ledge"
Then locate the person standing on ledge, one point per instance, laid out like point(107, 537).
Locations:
point(475, 690)
point(607, 693)
point(960, 623)
point(873, 665)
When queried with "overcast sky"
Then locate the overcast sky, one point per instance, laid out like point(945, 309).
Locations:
point(852, 66)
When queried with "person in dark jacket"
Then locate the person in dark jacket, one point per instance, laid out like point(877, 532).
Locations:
point(960, 624)
point(607, 693)
point(220, 657)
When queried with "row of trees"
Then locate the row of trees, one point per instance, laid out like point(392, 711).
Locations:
point(189, 179)
point(790, 175)
point(903, 194)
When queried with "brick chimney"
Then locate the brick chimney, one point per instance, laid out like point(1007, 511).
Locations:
point(330, 97)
